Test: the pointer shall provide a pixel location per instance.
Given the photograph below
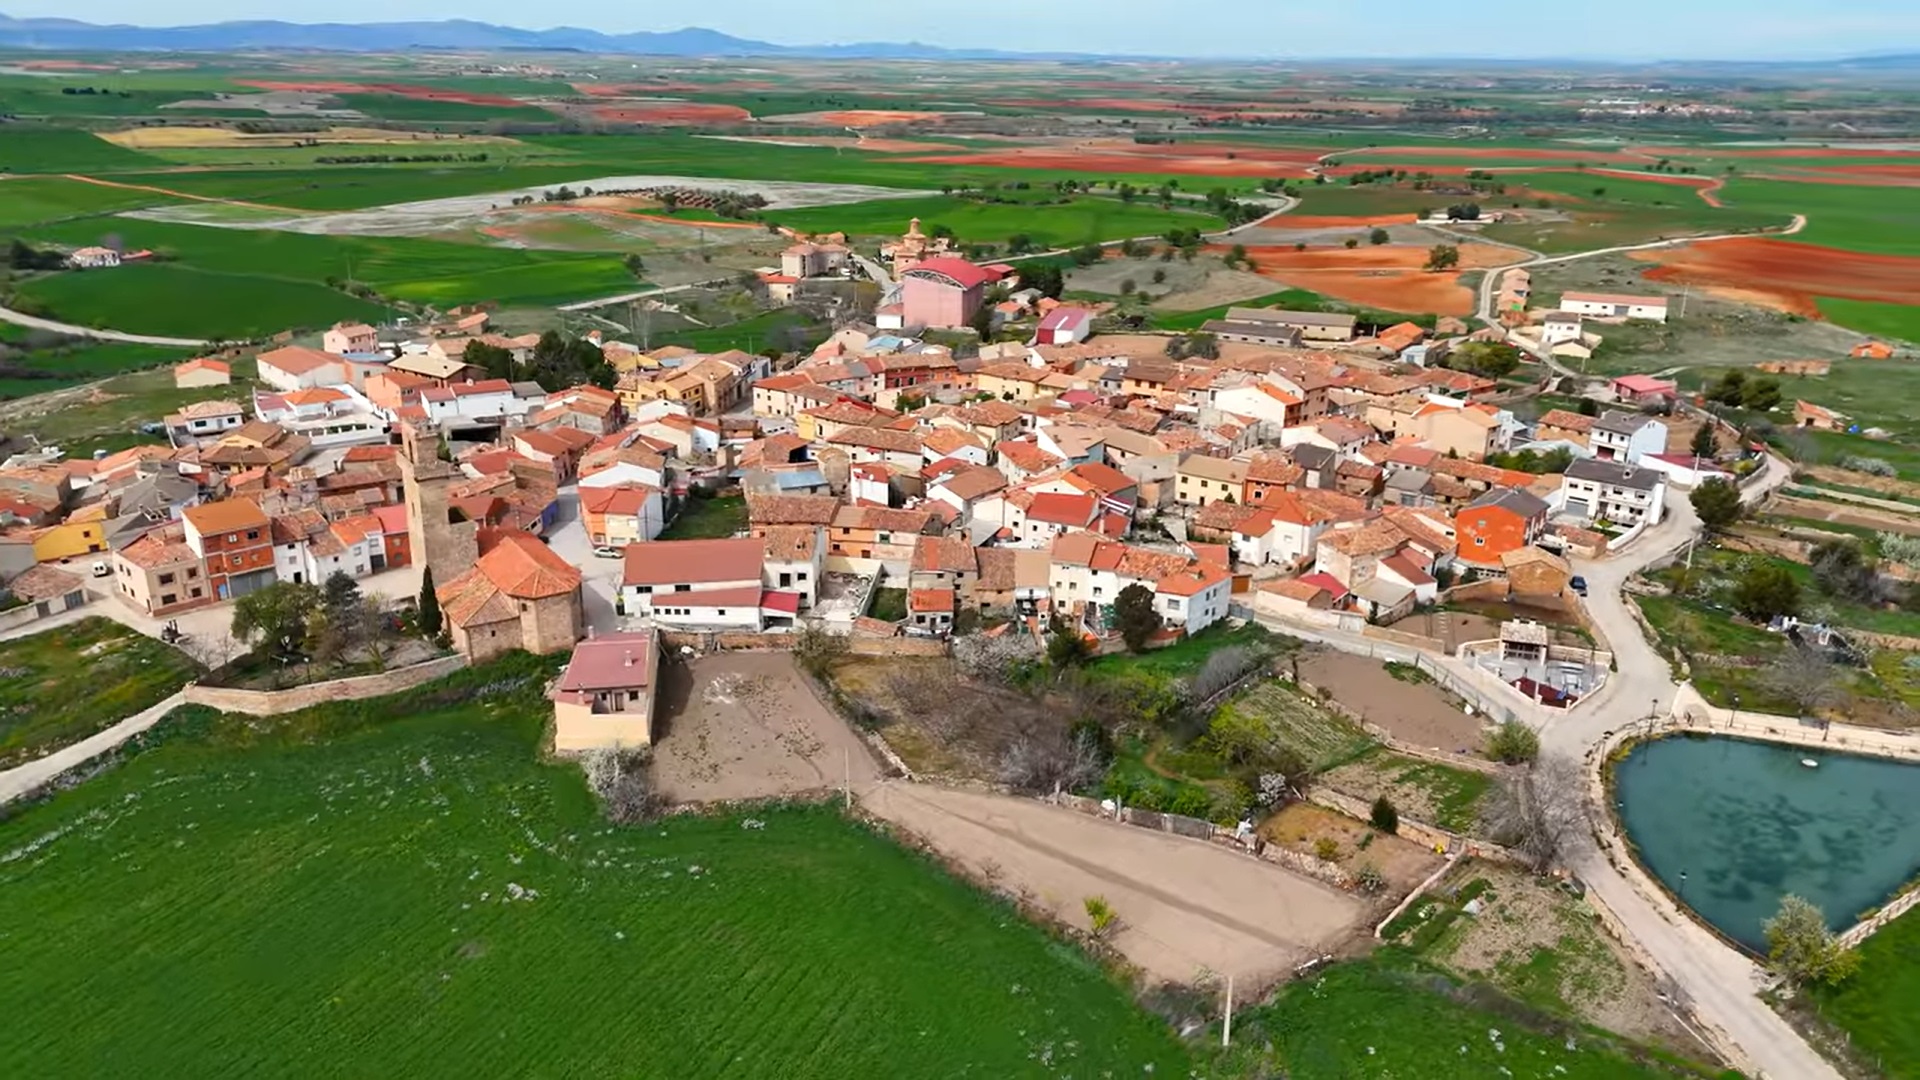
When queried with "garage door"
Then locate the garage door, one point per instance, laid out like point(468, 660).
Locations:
point(240, 585)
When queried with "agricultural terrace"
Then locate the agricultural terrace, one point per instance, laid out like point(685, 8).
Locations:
point(43, 707)
point(402, 886)
point(1874, 1008)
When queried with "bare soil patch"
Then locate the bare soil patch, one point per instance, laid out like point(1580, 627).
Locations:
point(671, 112)
point(1793, 274)
point(747, 726)
point(1185, 907)
point(1415, 713)
point(1301, 826)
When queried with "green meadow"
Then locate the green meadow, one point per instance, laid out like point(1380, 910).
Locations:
point(1080, 220)
point(404, 887)
point(1878, 220)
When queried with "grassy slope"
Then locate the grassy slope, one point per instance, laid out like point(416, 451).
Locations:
point(30, 149)
point(78, 362)
point(1393, 1017)
point(180, 301)
point(1876, 1006)
point(334, 887)
point(42, 707)
point(36, 199)
point(1077, 222)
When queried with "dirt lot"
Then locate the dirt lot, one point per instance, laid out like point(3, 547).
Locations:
point(1416, 713)
point(1302, 825)
point(1184, 905)
point(1189, 286)
point(746, 726)
point(1535, 941)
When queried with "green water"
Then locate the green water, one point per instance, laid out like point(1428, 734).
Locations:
point(1748, 824)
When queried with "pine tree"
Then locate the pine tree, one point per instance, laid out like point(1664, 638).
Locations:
point(430, 621)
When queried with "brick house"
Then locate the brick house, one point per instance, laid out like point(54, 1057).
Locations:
point(235, 538)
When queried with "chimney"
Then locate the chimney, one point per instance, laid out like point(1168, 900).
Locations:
point(629, 658)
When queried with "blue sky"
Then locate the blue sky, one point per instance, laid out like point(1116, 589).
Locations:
point(1619, 29)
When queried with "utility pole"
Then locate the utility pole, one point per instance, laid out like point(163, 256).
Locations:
point(1226, 1024)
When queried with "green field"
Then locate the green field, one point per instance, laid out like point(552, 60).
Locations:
point(36, 199)
point(1082, 220)
point(404, 888)
point(38, 370)
point(416, 110)
point(43, 707)
point(235, 283)
point(1876, 1006)
point(32, 149)
point(1394, 1016)
point(1899, 322)
point(111, 420)
point(1880, 220)
point(1291, 299)
point(173, 300)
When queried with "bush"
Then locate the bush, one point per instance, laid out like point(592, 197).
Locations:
point(618, 778)
point(1872, 466)
point(1326, 849)
point(1513, 743)
point(1385, 816)
point(1369, 878)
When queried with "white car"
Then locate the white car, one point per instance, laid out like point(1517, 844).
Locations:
point(608, 551)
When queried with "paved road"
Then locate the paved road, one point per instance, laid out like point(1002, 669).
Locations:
point(1490, 280)
point(34, 322)
point(1721, 982)
point(25, 778)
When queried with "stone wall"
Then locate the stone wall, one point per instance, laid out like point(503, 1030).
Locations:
point(1196, 829)
point(741, 641)
point(275, 702)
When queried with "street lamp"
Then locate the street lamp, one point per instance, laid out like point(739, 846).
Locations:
point(1683, 886)
point(1733, 713)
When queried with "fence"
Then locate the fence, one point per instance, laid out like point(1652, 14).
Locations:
point(1402, 654)
point(293, 699)
point(35, 610)
point(1196, 829)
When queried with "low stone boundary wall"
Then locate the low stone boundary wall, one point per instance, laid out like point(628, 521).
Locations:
point(858, 645)
point(29, 613)
point(293, 699)
point(1196, 829)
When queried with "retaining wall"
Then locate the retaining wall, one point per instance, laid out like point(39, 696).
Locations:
point(1196, 829)
point(293, 699)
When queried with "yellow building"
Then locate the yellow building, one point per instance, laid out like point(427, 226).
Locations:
point(83, 533)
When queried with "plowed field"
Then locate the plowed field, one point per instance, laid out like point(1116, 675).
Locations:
point(671, 112)
point(1793, 275)
point(406, 90)
point(1386, 277)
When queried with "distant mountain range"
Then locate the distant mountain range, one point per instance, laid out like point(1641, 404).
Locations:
point(460, 34)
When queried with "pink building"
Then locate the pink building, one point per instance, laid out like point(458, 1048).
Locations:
point(944, 292)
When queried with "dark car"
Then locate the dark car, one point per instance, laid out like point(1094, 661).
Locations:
point(1579, 585)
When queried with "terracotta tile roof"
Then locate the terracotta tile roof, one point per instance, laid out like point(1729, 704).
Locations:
point(1294, 589)
point(945, 554)
point(1192, 580)
point(931, 600)
point(1058, 509)
point(872, 438)
point(1376, 537)
point(695, 562)
point(620, 500)
point(1566, 420)
point(1213, 468)
point(1027, 455)
point(975, 482)
point(162, 547)
point(1224, 515)
point(296, 360)
point(791, 543)
point(522, 567)
point(791, 509)
point(608, 662)
point(226, 516)
point(882, 519)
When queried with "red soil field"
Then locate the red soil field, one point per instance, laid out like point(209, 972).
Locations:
point(419, 93)
point(1117, 163)
point(1387, 277)
point(1770, 151)
point(875, 117)
point(616, 90)
point(1387, 153)
point(671, 112)
point(1855, 175)
point(1793, 274)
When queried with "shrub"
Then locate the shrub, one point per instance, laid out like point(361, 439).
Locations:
point(1369, 878)
point(1513, 743)
point(1872, 466)
point(1101, 915)
point(1326, 849)
point(1385, 816)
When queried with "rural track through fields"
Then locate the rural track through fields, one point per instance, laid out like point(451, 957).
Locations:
point(35, 322)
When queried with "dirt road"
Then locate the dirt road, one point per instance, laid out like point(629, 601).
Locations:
point(1184, 905)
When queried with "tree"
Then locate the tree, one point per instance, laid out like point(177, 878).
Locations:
point(1761, 395)
point(1537, 812)
point(1800, 948)
point(1128, 287)
point(1588, 407)
point(1101, 916)
point(1491, 359)
point(1842, 572)
point(1717, 503)
point(1045, 276)
point(339, 592)
point(1729, 389)
point(1352, 243)
point(1513, 743)
point(1443, 257)
point(496, 361)
point(431, 623)
point(1704, 444)
point(818, 649)
point(1804, 676)
point(1159, 276)
point(1237, 255)
point(1378, 237)
point(1203, 346)
point(1766, 589)
point(279, 617)
point(1134, 616)
point(1067, 646)
point(1385, 817)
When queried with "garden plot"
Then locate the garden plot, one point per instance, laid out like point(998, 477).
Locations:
point(467, 211)
point(1277, 714)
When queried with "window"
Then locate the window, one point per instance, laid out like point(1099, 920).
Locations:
point(235, 560)
point(253, 534)
point(192, 572)
point(194, 592)
point(683, 588)
point(1479, 541)
point(1172, 604)
point(233, 538)
point(168, 598)
point(166, 579)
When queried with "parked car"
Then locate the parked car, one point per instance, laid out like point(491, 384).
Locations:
point(1579, 585)
point(608, 551)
